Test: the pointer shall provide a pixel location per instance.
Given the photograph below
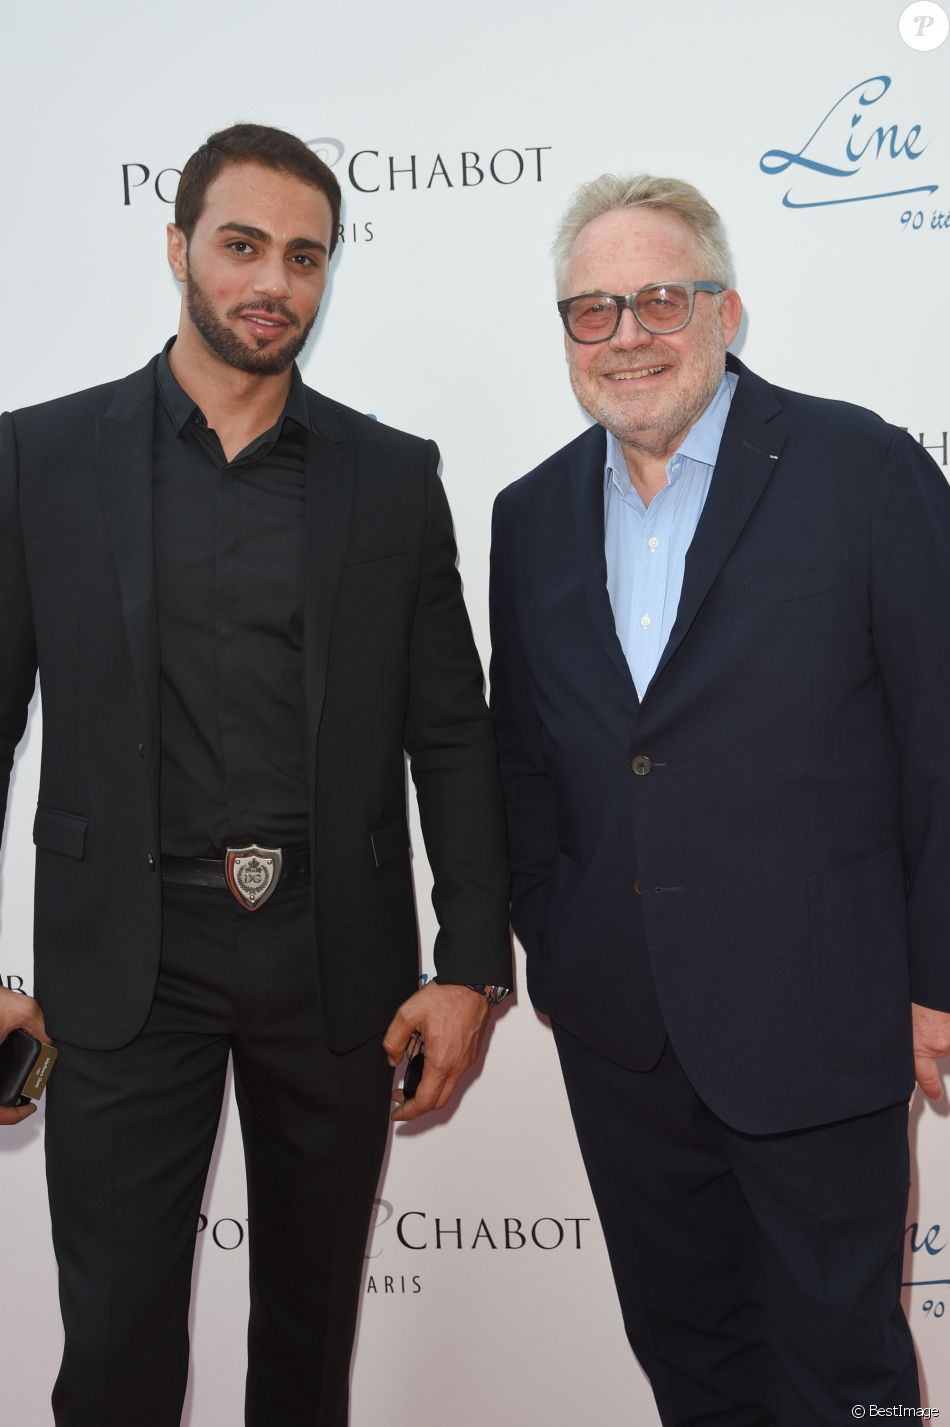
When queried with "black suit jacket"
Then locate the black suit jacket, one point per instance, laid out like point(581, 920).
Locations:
point(772, 886)
point(390, 666)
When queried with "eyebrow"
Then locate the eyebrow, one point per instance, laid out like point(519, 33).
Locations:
point(295, 244)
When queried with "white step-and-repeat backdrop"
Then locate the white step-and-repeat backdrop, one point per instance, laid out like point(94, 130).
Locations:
point(822, 133)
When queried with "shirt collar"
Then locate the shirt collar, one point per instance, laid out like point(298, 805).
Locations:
point(181, 408)
point(701, 442)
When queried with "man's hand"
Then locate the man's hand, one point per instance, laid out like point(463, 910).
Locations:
point(451, 1020)
point(19, 1013)
point(931, 1041)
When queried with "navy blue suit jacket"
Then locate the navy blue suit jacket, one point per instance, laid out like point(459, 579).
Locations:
point(775, 890)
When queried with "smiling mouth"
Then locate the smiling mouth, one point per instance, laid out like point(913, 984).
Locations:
point(629, 376)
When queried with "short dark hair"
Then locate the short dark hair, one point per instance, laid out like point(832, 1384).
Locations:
point(252, 143)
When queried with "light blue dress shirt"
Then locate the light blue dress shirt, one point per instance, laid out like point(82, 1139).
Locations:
point(646, 545)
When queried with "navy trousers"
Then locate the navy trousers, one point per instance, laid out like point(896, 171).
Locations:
point(759, 1275)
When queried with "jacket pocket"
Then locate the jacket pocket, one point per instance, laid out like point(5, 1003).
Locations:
point(860, 974)
point(365, 554)
point(56, 831)
point(390, 841)
point(797, 584)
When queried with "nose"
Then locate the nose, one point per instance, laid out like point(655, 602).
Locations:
point(630, 335)
point(271, 278)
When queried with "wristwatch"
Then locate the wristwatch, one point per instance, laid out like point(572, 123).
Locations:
point(493, 994)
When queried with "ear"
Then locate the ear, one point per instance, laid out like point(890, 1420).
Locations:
point(177, 252)
point(730, 314)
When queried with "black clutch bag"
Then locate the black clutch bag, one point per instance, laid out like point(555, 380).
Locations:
point(25, 1066)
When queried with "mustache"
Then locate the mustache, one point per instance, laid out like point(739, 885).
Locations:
point(269, 306)
point(656, 355)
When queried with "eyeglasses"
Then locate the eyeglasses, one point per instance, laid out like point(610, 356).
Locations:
point(660, 308)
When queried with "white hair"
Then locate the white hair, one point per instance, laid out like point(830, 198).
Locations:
point(613, 191)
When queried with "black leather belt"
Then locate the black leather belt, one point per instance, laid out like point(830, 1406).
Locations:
point(213, 871)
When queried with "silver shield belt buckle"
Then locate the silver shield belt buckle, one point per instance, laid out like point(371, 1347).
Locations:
point(253, 874)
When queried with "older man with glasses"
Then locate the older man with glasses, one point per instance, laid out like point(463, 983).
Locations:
point(720, 625)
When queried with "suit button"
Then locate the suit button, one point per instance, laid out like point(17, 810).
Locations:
point(151, 861)
point(141, 750)
point(641, 765)
point(636, 886)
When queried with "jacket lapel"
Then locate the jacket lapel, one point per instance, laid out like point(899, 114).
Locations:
point(124, 442)
point(330, 483)
point(587, 477)
point(748, 454)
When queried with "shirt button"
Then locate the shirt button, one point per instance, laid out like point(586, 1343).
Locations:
point(653, 543)
point(641, 765)
point(645, 621)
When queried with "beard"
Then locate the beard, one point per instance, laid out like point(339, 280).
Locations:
point(264, 360)
point(653, 426)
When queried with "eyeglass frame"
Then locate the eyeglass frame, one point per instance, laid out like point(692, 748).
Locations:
point(627, 302)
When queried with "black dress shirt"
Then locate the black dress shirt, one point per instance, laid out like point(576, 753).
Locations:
point(229, 561)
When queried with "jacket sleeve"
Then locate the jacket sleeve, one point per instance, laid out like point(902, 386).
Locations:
point(910, 611)
point(454, 764)
point(529, 793)
point(17, 641)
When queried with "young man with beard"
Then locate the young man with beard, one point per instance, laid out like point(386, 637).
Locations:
point(720, 638)
point(243, 603)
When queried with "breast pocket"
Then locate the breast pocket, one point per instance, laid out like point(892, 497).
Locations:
point(368, 554)
point(799, 584)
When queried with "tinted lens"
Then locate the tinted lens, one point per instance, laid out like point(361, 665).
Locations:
point(660, 309)
point(592, 318)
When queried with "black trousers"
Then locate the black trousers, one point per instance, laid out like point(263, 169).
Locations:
point(129, 1137)
point(759, 1276)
